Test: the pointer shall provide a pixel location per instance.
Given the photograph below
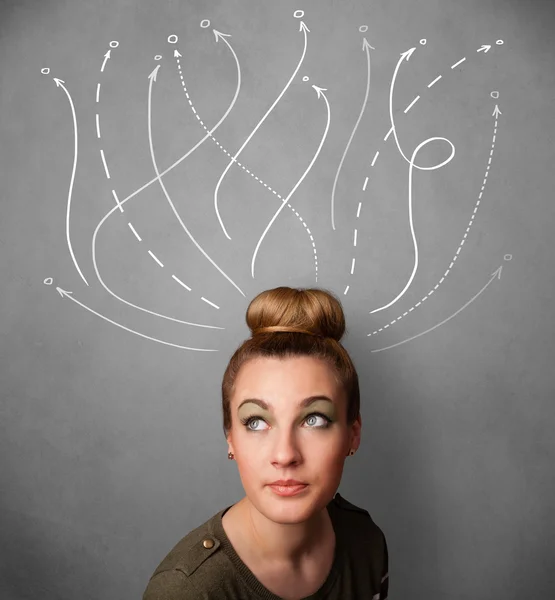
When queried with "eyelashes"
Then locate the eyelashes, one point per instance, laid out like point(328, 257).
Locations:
point(246, 421)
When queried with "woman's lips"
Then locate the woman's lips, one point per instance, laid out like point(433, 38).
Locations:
point(288, 490)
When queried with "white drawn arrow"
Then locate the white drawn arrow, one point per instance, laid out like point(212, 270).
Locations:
point(304, 29)
point(106, 57)
point(412, 164)
point(485, 48)
point(138, 191)
point(152, 78)
point(366, 47)
point(405, 56)
point(66, 294)
point(219, 35)
point(496, 274)
point(248, 171)
point(187, 154)
point(320, 91)
point(496, 112)
point(60, 83)
point(154, 74)
point(457, 253)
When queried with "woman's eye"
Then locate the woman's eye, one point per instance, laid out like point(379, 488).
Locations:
point(311, 420)
point(252, 420)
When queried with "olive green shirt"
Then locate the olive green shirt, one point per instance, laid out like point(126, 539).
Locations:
point(205, 566)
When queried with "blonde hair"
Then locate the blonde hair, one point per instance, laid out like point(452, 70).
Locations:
point(286, 322)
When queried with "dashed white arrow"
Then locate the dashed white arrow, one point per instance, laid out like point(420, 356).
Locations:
point(496, 274)
point(320, 91)
point(138, 191)
point(152, 78)
point(304, 29)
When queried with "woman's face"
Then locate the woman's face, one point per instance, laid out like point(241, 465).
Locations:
point(287, 440)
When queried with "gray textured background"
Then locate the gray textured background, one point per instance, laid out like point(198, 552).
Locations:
point(111, 447)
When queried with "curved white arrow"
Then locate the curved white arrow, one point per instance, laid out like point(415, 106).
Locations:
point(152, 78)
point(138, 191)
point(221, 36)
point(496, 274)
point(187, 154)
point(417, 149)
point(320, 92)
point(66, 294)
point(405, 56)
point(60, 83)
point(106, 57)
point(239, 164)
point(365, 46)
point(304, 29)
point(495, 114)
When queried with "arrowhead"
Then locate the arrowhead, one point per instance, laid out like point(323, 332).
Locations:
point(108, 54)
point(302, 26)
point(408, 53)
point(154, 73)
point(366, 45)
point(496, 112)
point(484, 48)
point(319, 90)
point(219, 34)
point(63, 292)
point(58, 81)
point(176, 53)
point(497, 273)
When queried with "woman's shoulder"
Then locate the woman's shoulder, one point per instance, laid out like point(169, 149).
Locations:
point(343, 504)
point(349, 511)
point(364, 541)
point(169, 585)
point(355, 520)
point(173, 574)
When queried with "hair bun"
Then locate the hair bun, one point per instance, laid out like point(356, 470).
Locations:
point(313, 311)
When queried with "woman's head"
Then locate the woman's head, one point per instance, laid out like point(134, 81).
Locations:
point(294, 355)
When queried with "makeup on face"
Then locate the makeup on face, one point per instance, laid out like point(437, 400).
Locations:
point(311, 406)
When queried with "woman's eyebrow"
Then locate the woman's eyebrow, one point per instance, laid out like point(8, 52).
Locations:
point(267, 406)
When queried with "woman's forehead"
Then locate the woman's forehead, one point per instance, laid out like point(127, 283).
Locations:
point(296, 376)
point(301, 365)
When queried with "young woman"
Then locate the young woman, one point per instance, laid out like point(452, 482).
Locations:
point(291, 401)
